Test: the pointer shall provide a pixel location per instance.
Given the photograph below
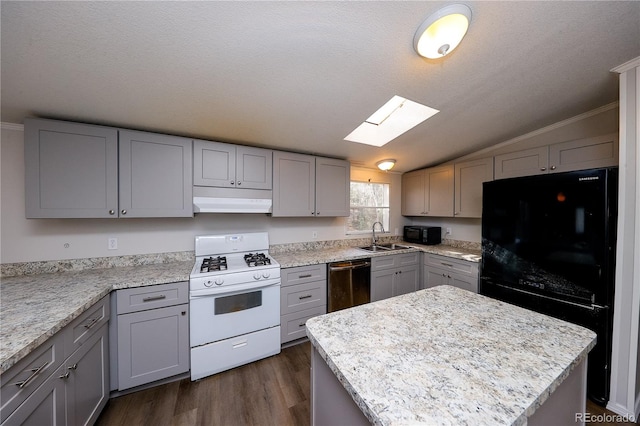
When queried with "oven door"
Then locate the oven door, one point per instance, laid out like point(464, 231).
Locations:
point(221, 313)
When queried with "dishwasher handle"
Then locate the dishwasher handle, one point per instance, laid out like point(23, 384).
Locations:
point(349, 266)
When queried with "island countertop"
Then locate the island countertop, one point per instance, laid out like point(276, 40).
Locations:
point(448, 356)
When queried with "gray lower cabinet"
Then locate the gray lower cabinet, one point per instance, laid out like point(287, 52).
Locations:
point(75, 170)
point(65, 381)
point(152, 334)
point(303, 295)
point(305, 185)
point(443, 270)
point(394, 274)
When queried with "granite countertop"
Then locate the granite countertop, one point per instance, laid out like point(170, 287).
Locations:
point(35, 307)
point(336, 254)
point(448, 356)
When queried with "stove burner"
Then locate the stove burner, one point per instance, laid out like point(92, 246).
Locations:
point(258, 259)
point(211, 264)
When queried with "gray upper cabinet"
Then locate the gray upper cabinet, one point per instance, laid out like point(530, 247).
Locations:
point(581, 154)
point(469, 176)
point(231, 166)
point(155, 175)
point(305, 185)
point(71, 170)
point(428, 192)
point(77, 170)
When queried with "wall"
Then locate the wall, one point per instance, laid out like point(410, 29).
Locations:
point(601, 121)
point(25, 240)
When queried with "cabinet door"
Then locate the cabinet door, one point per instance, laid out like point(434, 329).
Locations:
point(214, 164)
point(468, 179)
point(601, 151)
point(152, 345)
point(293, 184)
point(406, 280)
point(71, 170)
point(413, 193)
point(45, 406)
point(333, 183)
point(155, 175)
point(382, 284)
point(254, 168)
point(439, 193)
point(435, 276)
point(87, 388)
point(522, 163)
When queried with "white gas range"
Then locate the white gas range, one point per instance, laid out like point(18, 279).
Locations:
point(234, 298)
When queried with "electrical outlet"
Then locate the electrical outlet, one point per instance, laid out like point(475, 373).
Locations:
point(314, 234)
point(113, 243)
point(448, 231)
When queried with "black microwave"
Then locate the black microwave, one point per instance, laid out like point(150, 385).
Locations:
point(429, 235)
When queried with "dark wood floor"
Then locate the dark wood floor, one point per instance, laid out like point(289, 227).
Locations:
point(272, 391)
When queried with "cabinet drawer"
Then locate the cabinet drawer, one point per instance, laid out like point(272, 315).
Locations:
point(303, 274)
point(450, 264)
point(152, 297)
point(83, 327)
point(28, 374)
point(292, 326)
point(302, 296)
point(383, 262)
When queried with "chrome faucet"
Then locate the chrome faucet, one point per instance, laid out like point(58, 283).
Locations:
point(374, 240)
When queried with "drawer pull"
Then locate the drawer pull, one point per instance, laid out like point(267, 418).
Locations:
point(64, 376)
point(447, 264)
point(304, 297)
point(73, 367)
point(34, 373)
point(92, 322)
point(304, 276)
point(302, 324)
point(153, 298)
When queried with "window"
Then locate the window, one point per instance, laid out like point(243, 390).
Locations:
point(369, 204)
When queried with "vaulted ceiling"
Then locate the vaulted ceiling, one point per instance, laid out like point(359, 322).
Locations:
point(300, 76)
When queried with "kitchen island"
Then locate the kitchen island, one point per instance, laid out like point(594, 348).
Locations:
point(446, 356)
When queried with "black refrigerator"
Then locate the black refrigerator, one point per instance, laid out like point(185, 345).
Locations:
point(548, 244)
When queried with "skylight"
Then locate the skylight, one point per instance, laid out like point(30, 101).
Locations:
point(394, 118)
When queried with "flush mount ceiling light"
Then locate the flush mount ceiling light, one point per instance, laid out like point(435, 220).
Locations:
point(386, 165)
point(393, 119)
point(442, 31)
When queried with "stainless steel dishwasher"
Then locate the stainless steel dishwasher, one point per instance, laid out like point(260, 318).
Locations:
point(349, 284)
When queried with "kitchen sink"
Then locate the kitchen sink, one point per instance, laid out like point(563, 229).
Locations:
point(384, 247)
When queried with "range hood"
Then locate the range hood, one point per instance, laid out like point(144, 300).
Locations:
point(231, 205)
point(231, 200)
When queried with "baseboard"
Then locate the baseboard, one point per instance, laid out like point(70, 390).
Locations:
point(117, 393)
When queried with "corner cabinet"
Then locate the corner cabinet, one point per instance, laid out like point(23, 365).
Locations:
point(428, 192)
point(305, 185)
point(468, 179)
point(66, 379)
point(581, 154)
point(394, 274)
point(231, 166)
point(443, 270)
point(75, 170)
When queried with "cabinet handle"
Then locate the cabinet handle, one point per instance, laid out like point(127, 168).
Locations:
point(34, 373)
point(239, 183)
point(183, 313)
point(73, 367)
point(304, 297)
point(64, 376)
point(123, 211)
point(302, 324)
point(553, 167)
point(304, 276)
point(542, 169)
point(152, 298)
point(447, 264)
point(92, 322)
point(112, 212)
point(456, 213)
point(317, 213)
point(232, 183)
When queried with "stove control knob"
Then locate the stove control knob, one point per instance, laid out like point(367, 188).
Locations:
point(208, 283)
point(256, 276)
point(219, 281)
point(266, 275)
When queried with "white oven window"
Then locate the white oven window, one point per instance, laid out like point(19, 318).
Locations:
point(237, 302)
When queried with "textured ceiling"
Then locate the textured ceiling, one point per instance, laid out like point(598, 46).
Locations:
point(302, 75)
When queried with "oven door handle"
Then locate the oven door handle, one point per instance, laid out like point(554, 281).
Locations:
point(232, 289)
